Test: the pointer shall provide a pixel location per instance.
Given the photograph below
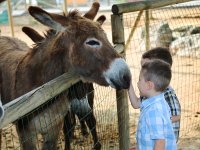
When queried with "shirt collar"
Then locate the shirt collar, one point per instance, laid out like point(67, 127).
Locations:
point(149, 101)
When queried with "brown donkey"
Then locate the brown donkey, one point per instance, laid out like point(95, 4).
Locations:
point(81, 97)
point(79, 44)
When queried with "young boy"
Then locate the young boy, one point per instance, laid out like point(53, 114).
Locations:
point(154, 127)
point(169, 93)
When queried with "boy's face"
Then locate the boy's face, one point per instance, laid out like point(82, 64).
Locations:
point(142, 85)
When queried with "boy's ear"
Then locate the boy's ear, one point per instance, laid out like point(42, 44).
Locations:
point(150, 84)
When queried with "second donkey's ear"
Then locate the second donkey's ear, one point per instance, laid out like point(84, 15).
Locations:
point(46, 18)
point(101, 19)
point(93, 11)
point(34, 35)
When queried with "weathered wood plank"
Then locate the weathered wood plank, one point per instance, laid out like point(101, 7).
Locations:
point(117, 29)
point(28, 102)
point(143, 5)
point(123, 119)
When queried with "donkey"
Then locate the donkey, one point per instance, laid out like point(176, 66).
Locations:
point(81, 97)
point(79, 45)
point(1, 107)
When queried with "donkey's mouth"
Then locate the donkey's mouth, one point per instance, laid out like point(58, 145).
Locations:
point(118, 75)
point(120, 85)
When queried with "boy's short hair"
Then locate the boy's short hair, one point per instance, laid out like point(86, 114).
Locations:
point(158, 72)
point(159, 53)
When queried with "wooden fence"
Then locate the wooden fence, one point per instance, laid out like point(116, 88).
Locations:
point(118, 39)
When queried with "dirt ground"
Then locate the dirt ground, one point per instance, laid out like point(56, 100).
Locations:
point(186, 79)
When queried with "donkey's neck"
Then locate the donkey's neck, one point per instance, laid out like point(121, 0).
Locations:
point(53, 59)
point(45, 62)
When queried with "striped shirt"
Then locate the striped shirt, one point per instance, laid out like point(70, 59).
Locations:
point(154, 124)
point(175, 108)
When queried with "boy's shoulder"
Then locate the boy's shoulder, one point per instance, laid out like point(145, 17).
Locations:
point(169, 88)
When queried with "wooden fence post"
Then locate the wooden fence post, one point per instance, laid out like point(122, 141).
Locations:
point(147, 34)
point(121, 95)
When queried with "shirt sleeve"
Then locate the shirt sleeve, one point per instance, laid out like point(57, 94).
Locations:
point(173, 102)
point(155, 124)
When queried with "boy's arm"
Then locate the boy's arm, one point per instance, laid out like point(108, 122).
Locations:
point(135, 101)
point(159, 144)
point(174, 105)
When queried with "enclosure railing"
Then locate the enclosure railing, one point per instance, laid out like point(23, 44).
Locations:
point(120, 45)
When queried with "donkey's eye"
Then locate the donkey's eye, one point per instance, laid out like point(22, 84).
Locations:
point(93, 43)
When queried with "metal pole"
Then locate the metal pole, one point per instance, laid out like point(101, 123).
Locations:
point(143, 5)
point(10, 17)
point(147, 34)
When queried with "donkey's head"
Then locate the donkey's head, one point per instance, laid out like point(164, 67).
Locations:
point(86, 47)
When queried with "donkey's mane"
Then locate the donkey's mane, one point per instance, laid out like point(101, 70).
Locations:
point(83, 24)
point(47, 35)
point(74, 13)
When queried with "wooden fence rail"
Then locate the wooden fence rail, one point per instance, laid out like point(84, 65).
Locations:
point(143, 5)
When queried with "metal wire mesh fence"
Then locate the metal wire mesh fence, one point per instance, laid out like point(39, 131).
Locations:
point(104, 110)
point(177, 28)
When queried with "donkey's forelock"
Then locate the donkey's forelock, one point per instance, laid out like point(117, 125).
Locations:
point(73, 14)
point(79, 23)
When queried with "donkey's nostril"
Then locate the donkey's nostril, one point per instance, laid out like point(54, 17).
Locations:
point(122, 83)
point(126, 80)
point(116, 84)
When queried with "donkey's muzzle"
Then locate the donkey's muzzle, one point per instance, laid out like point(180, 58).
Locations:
point(118, 75)
point(124, 83)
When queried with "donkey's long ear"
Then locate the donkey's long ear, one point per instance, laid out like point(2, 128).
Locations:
point(46, 18)
point(34, 35)
point(93, 11)
point(101, 19)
